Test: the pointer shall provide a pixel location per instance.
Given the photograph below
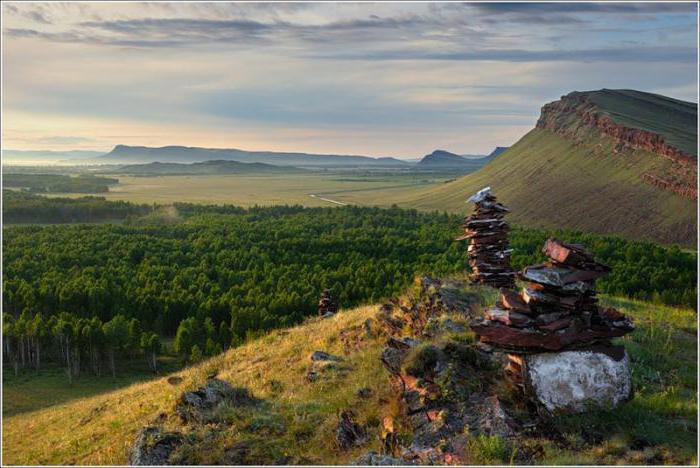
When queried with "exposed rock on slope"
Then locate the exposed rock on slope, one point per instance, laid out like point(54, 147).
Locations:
point(567, 173)
point(592, 110)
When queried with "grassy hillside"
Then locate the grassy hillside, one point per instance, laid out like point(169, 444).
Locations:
point(673, 119)
point(297, 418)
point(551, 182)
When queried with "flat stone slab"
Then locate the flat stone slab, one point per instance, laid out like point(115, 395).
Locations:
point(577, 381)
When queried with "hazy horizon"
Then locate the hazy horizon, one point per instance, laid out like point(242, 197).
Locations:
point(398, 80)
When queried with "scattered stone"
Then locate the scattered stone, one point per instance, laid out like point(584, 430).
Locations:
point(376, 459)
point(349, 433)
point(451, 326)
point(323, 362)
point(153, 446)
point(392, 358)
point(323, 356)
point(193, 406)
point(577, 381)
point(493, 418)
point(364, 392)
point(489, 255)
point(175, 380)
point(405, 342)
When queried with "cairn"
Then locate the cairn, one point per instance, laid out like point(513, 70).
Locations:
point(327, 306)
point(489, 255)
point(557, 312)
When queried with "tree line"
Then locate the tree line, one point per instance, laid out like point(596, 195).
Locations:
point(79, 344)
point(82, 183)
point(23, 207)
point(222, 274)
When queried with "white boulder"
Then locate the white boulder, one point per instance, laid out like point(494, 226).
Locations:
point(576, 381)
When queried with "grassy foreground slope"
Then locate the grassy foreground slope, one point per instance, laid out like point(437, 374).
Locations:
point(298, 418)
point(551, 182)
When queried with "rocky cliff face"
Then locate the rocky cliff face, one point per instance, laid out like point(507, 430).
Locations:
point(575, 112)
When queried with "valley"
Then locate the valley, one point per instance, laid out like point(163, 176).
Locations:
point(221, 262)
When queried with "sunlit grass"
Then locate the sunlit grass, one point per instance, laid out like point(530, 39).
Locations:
point(297, 419)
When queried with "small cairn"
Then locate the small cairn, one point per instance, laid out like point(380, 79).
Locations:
point(489, 255)
point(327, 306)
point(555, 313)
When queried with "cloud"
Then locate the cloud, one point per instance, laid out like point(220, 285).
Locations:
point(602, 7)
point(626, 54)
point(333, 77)
point(64, 140)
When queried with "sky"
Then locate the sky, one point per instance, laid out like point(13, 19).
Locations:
point(379, 79)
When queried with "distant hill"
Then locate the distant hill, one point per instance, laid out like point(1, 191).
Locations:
point(183, 154)
point(441, 160)
point(203, 168)
point(608, 161)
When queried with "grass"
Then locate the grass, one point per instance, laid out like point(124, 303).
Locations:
point(675, 120)
point(546, 180)
point(658, 426)
point(102, 428)
point(297, 418)
point(550, 182)
point(30, 391)
point(262, 190)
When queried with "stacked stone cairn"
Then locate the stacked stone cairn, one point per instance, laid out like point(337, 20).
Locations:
point(488, 252)
point(555, 330)
point(327, 306)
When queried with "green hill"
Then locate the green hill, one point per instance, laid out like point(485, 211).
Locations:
point(675, 120)
point(634, 175)
point(295, 419)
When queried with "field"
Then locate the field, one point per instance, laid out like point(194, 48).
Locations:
point(261, 190)
point(658, 426)
point(549, 182)
point(29, 391)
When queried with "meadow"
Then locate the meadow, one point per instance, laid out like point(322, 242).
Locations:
point(261, 190)
point(658, 426)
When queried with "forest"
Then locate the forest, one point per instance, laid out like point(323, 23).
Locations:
point(58, 183)
point(79, 294)
point(25, 208)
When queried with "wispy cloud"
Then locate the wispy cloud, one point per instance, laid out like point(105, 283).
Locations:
point(396, 78)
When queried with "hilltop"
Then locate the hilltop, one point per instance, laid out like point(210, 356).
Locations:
point(204, 168)
point(282, 415)
point(185, 154)
point(440, 159)
point(608, 161)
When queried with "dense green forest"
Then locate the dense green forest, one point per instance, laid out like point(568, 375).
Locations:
point(23, 207)
point(83, 183)
point(223, 273)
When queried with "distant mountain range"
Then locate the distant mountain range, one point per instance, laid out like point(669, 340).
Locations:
point(203, 168)
point(122, 154)
point(608, 161)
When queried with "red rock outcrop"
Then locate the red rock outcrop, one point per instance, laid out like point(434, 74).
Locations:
point(575, 112)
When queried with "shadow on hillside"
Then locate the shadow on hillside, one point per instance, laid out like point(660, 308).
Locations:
point(29, 391)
